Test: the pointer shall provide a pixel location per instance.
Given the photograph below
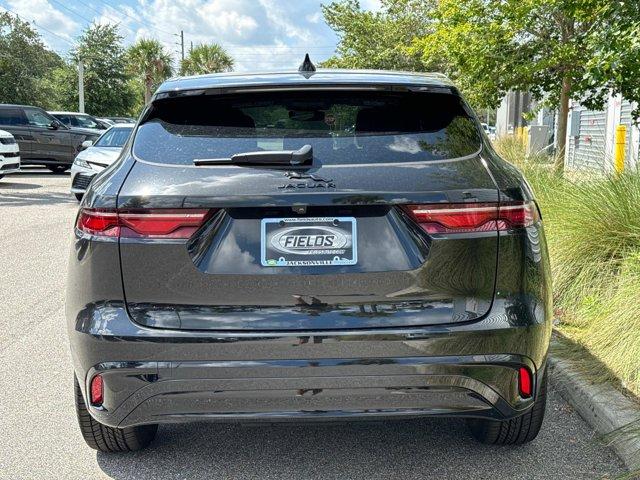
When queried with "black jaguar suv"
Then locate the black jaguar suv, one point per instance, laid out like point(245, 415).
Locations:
point(308, 245)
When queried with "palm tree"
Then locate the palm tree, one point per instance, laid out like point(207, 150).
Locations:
point(150, 63)
point(206, 59)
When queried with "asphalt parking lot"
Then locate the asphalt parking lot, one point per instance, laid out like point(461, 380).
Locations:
point(40, 439)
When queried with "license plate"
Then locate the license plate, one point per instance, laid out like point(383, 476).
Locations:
point(312, 241)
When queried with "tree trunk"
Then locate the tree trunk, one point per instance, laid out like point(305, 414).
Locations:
point(563, 116)
point(148, 86)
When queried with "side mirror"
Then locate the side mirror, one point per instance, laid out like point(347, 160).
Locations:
point(86, 144)
point(53, 126)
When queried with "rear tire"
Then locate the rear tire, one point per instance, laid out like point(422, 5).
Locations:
point(515, 431)
point(109, 439)
point(58, 168)
point(79, 196)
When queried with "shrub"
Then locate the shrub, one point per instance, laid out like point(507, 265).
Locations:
point(593, 231)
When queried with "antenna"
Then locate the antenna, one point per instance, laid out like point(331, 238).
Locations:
point(306, 65)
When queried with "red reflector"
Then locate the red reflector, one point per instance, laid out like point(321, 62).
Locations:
point(524, 382)
point(97, 390)
point(158, 223)
point(473, 217)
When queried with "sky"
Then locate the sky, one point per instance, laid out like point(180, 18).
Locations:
point(259, 34)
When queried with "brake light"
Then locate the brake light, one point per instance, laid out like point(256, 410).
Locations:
point(156, 223)
point(96, 391)
point(521, 214)
point(473, 217)
point(98, 222)
point(525, 382)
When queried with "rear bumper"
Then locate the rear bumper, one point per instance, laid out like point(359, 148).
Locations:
point(156, 376)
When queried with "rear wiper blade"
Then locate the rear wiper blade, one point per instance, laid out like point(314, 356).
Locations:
point(278, 157)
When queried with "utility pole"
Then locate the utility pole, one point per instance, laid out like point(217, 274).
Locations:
point(81, 86)
point(182, 42)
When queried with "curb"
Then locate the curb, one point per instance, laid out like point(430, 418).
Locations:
point(603, 407)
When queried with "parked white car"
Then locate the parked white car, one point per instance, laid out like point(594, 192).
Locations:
point(9, 154)
point(490, 131)
point(98, 156)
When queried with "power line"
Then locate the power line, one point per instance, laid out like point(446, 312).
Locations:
point(70, 42)
point(236, 50)
point(165, 32)
point(136, 19)
point(119, 21)
point(72, 11)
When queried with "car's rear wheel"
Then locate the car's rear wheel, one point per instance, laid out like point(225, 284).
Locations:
point(515, 431)
point(109, 439)
point(58, 168)
point(79, 196)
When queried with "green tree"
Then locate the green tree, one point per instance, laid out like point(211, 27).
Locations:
point(25, 64)
point(63, 85)
point(379, 39)
point(204, 59)
point(106, 82)
point(614, 63)
point(555, 49)
point(150, 64)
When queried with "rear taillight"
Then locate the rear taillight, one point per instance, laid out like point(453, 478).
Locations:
point(473, 217)
point(520, 214)
point(156, 223)
point(98, 222)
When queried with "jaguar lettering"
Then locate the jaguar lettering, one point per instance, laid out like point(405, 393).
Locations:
point(319, 182)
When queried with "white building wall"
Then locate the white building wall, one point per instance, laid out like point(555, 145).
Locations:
point(594, 146)
point(502, 117)
point(585, 150)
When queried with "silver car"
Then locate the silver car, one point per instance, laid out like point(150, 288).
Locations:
point(98, 156)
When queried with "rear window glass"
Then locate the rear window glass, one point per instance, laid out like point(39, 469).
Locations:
point(11, 116)
point(342, 127)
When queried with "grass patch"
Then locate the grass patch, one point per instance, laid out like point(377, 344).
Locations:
point(593, 232)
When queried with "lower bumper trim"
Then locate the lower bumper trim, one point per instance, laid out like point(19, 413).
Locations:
point(321, 416)
point(138, 393)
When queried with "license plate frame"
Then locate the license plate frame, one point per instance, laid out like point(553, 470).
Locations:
point(308, 241)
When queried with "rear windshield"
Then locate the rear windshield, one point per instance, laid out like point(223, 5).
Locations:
point(342, 127)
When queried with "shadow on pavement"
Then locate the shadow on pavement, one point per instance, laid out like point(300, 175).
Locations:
point(19, 199)
point(425, 448)
point(37, 173)
point(360, 450)
point(16, 192)
point(7, 185)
